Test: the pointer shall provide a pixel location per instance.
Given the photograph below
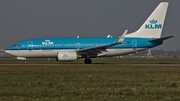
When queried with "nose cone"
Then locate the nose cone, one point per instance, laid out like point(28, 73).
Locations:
point(9, 50)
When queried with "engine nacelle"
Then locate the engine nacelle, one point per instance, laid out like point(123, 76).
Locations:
point(67, 55)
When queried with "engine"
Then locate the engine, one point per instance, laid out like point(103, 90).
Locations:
point(67, 56)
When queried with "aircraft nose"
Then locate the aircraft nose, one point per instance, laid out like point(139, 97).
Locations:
point(7, 51)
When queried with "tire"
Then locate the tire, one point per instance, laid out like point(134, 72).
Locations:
point(87, 61)
point(25, 62)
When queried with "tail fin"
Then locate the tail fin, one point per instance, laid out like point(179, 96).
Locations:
point(153, 26)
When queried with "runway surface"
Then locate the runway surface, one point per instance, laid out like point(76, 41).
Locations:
point(89, 65)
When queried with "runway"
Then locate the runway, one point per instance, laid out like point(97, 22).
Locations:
point(92, 65)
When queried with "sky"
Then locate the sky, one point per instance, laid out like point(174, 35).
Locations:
point(27, 19)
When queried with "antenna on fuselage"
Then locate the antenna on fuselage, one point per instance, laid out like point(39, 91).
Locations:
point(109, 36)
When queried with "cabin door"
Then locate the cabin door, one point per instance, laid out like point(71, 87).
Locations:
point(78, 45)
point(30, 45)
point(134, 44)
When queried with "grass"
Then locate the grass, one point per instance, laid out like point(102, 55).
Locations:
point(89, 83)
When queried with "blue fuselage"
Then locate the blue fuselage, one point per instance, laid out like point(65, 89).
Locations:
point(81, 43)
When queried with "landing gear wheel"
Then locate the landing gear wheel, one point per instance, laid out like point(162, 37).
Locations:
point(25, 62)
point(87, 61)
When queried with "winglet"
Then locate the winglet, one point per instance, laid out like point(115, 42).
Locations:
point(121, 39)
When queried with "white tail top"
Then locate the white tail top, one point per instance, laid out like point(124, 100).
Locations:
point(153, 26)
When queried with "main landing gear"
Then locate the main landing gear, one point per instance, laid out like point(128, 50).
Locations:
point(87, 61)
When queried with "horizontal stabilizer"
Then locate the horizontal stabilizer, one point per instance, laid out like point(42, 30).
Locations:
point(161, 39)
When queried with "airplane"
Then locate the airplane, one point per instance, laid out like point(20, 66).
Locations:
point(71, 49)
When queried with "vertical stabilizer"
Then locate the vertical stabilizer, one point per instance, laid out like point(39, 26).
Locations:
point(153, 26)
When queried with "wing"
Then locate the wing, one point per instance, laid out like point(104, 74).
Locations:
point(99, 49)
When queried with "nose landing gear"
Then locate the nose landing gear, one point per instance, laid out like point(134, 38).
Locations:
point(25, 62)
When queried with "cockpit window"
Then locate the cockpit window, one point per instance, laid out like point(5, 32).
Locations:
point(16, 45)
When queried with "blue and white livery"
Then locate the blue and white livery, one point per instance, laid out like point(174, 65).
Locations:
point(71, 49)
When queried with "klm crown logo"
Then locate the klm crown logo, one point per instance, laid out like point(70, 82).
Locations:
point(153, 25)
point(153, 21)
point(47, 42)
point(65, 56)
